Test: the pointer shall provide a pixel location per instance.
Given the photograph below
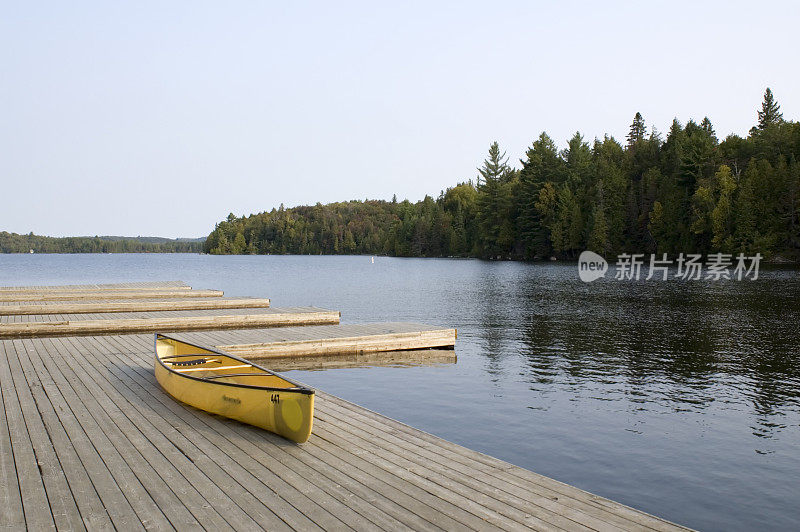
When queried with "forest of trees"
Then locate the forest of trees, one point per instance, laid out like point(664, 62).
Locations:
point(684, 191)
point(15, 243)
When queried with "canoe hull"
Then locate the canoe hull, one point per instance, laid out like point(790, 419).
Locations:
point(284, 412)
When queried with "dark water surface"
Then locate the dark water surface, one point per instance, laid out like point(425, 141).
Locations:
point(678, 398)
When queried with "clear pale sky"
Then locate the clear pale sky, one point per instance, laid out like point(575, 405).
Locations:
point(160, 118)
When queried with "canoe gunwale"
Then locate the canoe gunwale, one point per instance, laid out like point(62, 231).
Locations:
point(298, 387)
point(227, 375)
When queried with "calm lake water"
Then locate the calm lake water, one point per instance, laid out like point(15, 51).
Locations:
point(678, 398)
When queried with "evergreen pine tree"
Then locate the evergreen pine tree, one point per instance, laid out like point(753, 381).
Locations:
point(495, 167)
point(706, 126)
point(746, 232)
point(542, 166)
point(598, 237)
point(494, 202)
point(656, 226)
point(239, 244)
point(637, 131)
point(722, 215)
point(770, 112)
point(578, 159)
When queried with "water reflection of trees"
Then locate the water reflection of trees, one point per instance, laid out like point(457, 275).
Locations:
point(493, 297)
point(683, 345)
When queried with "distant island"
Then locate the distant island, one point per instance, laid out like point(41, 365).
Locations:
point(15, 243)
point(686, 192)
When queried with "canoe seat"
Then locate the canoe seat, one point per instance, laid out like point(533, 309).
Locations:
point(190, 362)
point(224, 375)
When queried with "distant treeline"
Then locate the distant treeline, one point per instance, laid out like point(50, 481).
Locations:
point(14, 243)
point(686, 192)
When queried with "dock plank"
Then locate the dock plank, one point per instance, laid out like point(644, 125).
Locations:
point(77, 295)
point(62, 504)
point(29, 476)
point(11, 308)
point(132, 507)
point(13, 515)
point(90, 506)
point(141, 285)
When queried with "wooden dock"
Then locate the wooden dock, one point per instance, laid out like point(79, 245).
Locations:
point(143, 285)
point(12, 308)
point(88, 440)
point(385, 359)
point(75, 295)
point(325, 340)
point(24, 326)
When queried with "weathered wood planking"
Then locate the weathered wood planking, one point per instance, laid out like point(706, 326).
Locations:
point(144, 285)
point(143, 305)
point(130, 457)
point(153, 314)
point(84, 324)
point(112, 451)
point(70, 295)
point(394, 359)
point(329, 340)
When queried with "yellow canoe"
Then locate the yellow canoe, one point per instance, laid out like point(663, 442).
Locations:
point(234, 387)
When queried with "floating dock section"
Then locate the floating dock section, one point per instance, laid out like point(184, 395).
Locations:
point(144, 285)
point(25, 326)
point(325, 340)
point(10, 308)
point(74, 295)
point(88, 440)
